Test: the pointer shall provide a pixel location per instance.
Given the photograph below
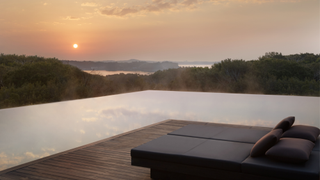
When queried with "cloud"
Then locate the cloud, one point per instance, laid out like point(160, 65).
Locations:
point(161, 5)
point(121, 115)
point(45, 4)
point(157, 6)
point(266, 1)
point(115, 11)
point(82, 131)
point(72, 18)
point(122, 119)
point(48, 149)
point(154, 6)
point(191, 2)
point(89, 4)
point(30, 154)
point(7, 160)
point(89, 119)
point(58, 23)
point(33, 156)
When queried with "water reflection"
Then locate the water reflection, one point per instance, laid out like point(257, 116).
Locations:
point(32, 132)
point(106, 73)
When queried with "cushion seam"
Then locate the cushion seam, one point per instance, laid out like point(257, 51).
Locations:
point(211, 138)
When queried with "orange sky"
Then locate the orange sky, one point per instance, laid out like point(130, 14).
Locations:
point(159, 30)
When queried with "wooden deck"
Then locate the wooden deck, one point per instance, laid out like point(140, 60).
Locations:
point(105, 159)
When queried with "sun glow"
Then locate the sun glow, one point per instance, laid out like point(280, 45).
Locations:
point(75, 46)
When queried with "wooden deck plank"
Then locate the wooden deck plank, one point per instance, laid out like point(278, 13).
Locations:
point(63, 172)
point(28, 175)
point(11, 176)
point(107, 162)
point(105, 159)
point(99, 173)
point(104, 169)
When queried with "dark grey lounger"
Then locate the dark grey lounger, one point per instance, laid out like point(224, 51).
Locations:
point(222, 155)
point(217, 152)
point(236, 134)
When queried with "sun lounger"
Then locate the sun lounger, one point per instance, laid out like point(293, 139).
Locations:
point(226, 152)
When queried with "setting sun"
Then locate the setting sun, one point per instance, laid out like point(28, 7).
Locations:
point(161, 30)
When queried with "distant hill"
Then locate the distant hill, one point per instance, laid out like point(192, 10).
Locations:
point(182, 63)
point(130, 65)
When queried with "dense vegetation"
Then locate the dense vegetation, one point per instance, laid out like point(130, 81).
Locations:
point(33, 80)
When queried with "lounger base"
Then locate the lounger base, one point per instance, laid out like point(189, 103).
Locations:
point(161, 170)
point(183, 170)
point(156, 174)
point(160, 175)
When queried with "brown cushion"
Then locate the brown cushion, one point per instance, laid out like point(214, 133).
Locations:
point(292, 150)
point(285, 124)
point(305, 132)
point(266, 142)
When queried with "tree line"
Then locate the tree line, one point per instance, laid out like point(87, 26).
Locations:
point(26, 80)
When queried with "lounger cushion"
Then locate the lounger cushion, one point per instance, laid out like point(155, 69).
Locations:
point(266, 142)
point(285, 124)
point(225, 133)
point(305, 132)
point(317, 145)
point(198, 131)
point(223, 155)
point(292, 150)
point(244, 135)
point(265, 166)
point(165, 147)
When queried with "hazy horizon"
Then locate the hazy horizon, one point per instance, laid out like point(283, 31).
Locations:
point(159, 30)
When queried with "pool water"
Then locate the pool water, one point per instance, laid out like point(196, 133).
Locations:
point(31, 132)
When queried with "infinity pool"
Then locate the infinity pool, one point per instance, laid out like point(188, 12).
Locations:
point(31, 132)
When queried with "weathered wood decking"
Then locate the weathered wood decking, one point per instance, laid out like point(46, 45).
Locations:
point(105, 159)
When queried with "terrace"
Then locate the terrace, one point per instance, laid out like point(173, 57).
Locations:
point(92, 138)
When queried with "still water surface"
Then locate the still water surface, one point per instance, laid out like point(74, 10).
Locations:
point(107, 73)
point(31, 132)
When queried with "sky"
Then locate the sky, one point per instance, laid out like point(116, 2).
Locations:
point(159, 30)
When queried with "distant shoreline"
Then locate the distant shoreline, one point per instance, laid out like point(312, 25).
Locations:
point(196, 65)
point(106, 73)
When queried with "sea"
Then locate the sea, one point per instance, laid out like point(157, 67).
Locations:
point(106, 73)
